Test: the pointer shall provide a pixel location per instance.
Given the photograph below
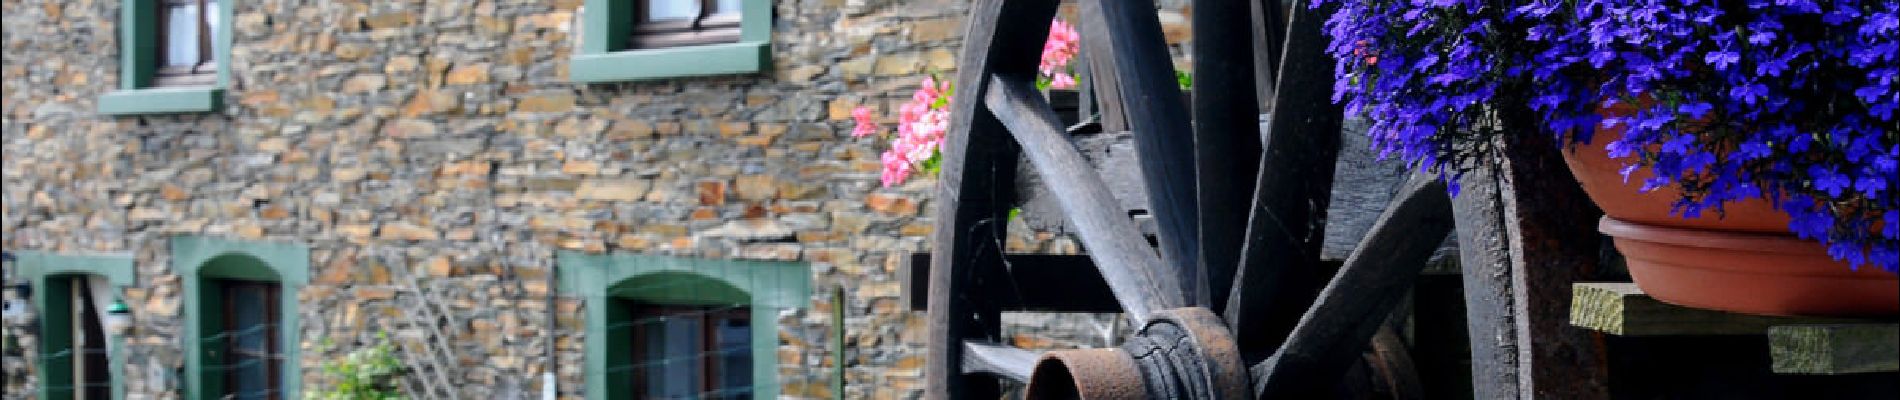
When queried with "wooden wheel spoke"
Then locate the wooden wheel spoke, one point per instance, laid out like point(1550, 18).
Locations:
point(1226, 138)
point(1132, 270)
point(974, 190)
point(1008, 362)
point(1279, 264)
point(1134, 77)
point(1269, 35)
point(1334, 332)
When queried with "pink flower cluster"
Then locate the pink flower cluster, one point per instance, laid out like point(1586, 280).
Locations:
point(1056, 54)
point(921, 125)
point(925, 119)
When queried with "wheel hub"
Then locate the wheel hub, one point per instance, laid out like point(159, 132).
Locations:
point(1182, 353)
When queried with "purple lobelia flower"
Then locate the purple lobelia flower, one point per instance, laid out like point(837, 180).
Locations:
point(1793, 100)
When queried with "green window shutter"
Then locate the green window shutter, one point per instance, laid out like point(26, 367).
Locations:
point(51, 275)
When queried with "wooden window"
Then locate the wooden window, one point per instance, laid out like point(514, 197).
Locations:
point(187, 30)
point(692, 352)
point(251, 365)
point(674, 23)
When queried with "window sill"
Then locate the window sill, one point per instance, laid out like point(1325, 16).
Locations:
point(201, 99)
point(642, 65)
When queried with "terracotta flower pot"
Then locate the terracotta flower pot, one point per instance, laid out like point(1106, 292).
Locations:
point(1755, 273)
point(1601, 179)
point(1744, 260)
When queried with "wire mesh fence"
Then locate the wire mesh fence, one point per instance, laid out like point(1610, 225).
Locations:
point(76, 384)
point(245, 362)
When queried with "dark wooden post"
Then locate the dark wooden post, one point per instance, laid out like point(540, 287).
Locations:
point(1526, 233)
point(1554, 243)
point(1485, 259)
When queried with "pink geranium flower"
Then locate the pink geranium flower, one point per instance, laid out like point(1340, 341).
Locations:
point(1057, 52)
point(866, 125)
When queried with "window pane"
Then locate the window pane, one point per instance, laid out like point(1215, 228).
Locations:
point(674, 362)
point(735, 359)
point(211, 23)
point(661, 10)
point(726, 7)
point(249, 355)
point(181, 35)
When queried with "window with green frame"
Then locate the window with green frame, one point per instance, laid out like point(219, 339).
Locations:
point(634, 40)
point(174, 57)
point(672, 327)
point(241, 326)
point(77, 355)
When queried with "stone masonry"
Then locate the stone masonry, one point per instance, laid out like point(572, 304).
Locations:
point(435, 150)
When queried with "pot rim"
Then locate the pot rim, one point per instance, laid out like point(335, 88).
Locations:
point(1756, 242)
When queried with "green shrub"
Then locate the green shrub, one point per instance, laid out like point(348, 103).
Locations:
point(369, 373)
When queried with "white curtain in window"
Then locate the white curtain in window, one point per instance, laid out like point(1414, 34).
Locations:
point(661, 10)
point(102, 297)
point(181, 35)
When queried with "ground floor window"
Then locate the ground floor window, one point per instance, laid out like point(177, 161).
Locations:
point(250, 362)
point(75, 339)
point(690, 352)
point(662, 327)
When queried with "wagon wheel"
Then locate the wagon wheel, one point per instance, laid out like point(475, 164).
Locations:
point(1227, 307)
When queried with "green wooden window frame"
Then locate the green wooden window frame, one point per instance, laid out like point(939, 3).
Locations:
point(54, 305)
point(603, 57)
point(199, 261)
point(138, 62)
point(767, 286)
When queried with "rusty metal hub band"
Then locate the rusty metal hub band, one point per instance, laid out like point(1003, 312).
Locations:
point(1183, 353)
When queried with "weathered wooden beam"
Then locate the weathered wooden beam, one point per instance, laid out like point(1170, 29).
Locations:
point(1485, 261)
point(1620, 308)
point(1135, 75)
point(1554, 243)
point(1004, 361)
point(1835, 349)
point(1226, 138)
point(974, 195)
point(1279, 263)
point(1335, 331)
point(1026, 282)
point(1527, 237)
point(1141, 282)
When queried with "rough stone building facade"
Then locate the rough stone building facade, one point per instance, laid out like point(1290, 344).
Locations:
point(428, 170)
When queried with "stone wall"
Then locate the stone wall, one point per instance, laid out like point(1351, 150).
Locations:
point(434, 152)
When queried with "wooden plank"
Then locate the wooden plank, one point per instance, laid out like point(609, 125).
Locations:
point(1333, 334)
point(1124, 37)
point(1226, 138)
point(977, 171)
point(1485, 261)
point(1113, 156)
point(1279, 271)
point(1031, 282)
point(1139, 279)
point(1004, 361)
point(1620, 308)
point(1835, 348)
